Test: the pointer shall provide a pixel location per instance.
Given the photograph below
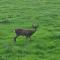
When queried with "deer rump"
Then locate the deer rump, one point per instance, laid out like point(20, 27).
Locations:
point(24, 32)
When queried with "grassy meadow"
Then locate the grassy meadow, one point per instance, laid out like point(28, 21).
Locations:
point(45, 43)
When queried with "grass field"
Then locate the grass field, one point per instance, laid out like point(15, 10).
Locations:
point(45, 44)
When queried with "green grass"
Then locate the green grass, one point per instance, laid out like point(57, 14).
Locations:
point(45, 44)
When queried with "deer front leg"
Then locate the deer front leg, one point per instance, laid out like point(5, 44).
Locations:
point(28, 38)
point(15, 38)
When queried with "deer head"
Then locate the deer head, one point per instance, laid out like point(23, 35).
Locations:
point(35, 26)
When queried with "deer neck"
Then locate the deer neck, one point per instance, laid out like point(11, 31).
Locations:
point(35, 29)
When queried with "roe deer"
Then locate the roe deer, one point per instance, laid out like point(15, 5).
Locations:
point(25, 32)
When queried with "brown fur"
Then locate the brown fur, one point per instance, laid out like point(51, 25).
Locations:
point(25, 32)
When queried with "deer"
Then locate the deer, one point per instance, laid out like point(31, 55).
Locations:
point(25, 32)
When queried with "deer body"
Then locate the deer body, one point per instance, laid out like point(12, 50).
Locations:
point(25, 32)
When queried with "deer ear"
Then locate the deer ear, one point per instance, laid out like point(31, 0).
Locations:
point(33, 25)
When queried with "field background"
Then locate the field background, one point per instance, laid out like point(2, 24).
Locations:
point(45, 44)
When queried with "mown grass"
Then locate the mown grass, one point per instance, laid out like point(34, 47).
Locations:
point(45, 44)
